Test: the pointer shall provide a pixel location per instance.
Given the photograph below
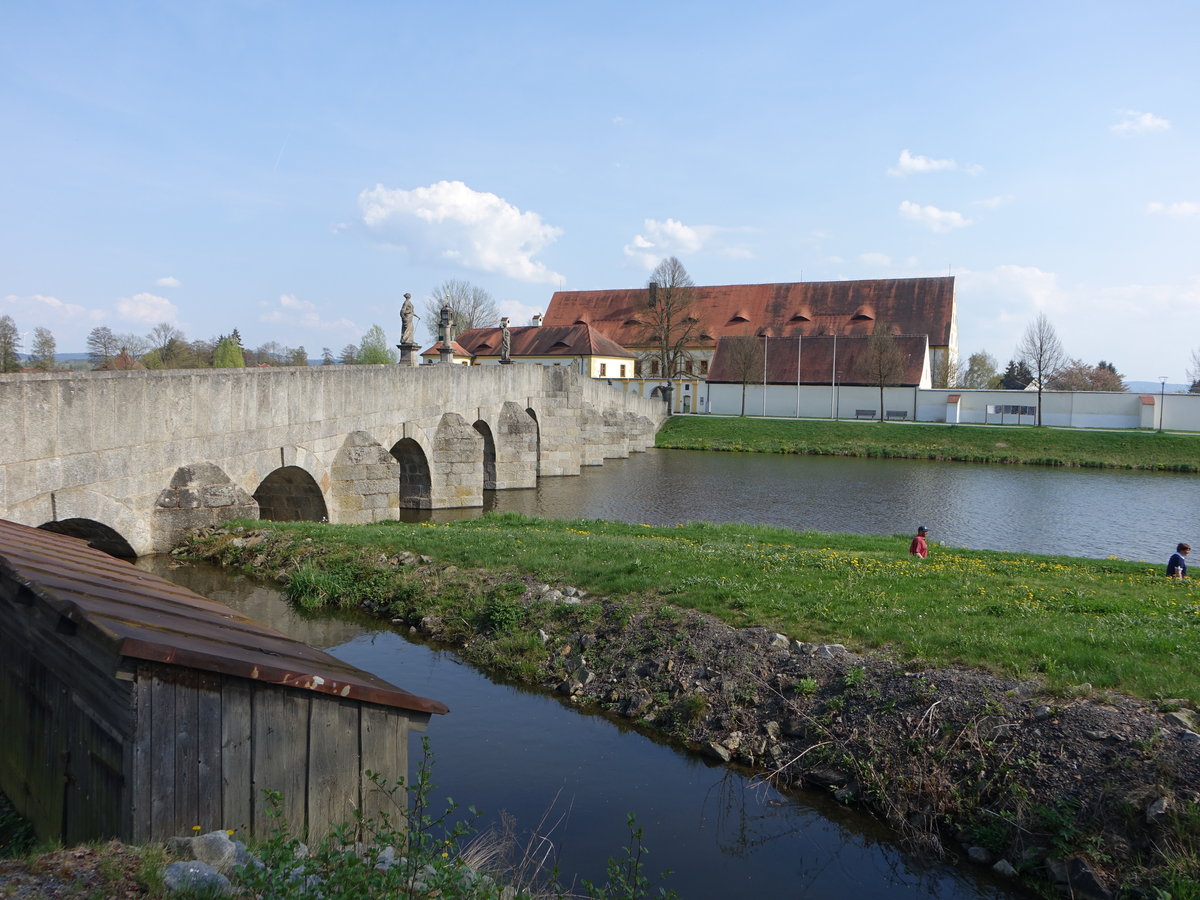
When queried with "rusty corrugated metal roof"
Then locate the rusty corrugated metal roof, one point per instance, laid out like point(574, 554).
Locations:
point(143, 616)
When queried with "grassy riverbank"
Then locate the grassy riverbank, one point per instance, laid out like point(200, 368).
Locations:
point(1049, 772)
point(962, 443)
point(1111, 623)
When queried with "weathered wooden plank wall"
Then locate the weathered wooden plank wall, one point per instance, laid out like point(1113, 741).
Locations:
point(64, 719)
point(312, 749)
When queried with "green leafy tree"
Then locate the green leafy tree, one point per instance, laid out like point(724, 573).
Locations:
point(299, 357)
point(1016, 376)
point(979, 373)
point(349, 356)
point(10, 345)
point(374, 349)
point(1076, 375)
point(44, 352)
point(327, 357)
point(228, 354)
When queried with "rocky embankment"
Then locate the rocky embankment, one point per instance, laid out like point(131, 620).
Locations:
point(1097, 793)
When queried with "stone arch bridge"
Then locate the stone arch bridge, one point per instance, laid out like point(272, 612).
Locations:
point(134, 460)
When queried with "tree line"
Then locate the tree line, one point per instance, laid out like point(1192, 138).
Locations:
point(167, 347)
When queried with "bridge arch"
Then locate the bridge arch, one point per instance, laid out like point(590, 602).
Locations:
point(532, 413)
point(489, 454)
point(416, 483)
point(290, 494)
point(91, 513)
point(97, 534)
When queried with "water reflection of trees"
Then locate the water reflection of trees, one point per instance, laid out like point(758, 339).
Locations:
point(827, 843)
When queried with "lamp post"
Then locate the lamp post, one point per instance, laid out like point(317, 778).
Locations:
point(1162, 393)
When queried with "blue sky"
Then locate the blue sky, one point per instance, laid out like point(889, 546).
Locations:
point(292, 168)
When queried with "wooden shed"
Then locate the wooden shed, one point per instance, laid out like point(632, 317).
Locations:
point(131, 707)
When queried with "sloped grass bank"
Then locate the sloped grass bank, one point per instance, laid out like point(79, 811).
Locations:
point(1022, 756)
point(1022, 445)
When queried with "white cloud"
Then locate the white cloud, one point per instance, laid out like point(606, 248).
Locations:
point(670, 238)
point(519, 313)
point(995, 202)
point(875, 259)
point(147, 307)
point(1134, 122)
point(449, 222)
point(291, 310)
point(997, 305)
point(168, 281)
point(43, 309)
point(932, 217)
point(908, 164)
point(1179, 210)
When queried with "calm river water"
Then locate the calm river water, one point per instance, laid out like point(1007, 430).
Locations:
point(503, 748)
point(1072, 512)
point(724, 835)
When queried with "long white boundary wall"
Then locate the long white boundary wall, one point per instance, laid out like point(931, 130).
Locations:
point(1065, 409)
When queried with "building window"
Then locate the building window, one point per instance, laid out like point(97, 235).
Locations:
point(704, 367)
point(622, 370)
point(654, 367)
point(687, 367)
point(603, 369)
point(637, 368)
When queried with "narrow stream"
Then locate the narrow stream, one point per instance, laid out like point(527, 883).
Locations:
point(506, 749)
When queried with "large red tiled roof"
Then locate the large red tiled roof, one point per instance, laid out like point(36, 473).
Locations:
point(533, 340)
point(809, 308)
point(815, 356)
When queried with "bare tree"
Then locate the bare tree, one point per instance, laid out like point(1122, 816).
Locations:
point(101, 346)
point(473, 307)
point(44, 352)
point(1042, 351)
point(10, 345)
point(885, 360)
point(668, 324)
point(742, 357)
point(161, 335)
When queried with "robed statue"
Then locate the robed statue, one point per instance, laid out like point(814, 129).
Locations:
point(505, 340)
point(407, 314)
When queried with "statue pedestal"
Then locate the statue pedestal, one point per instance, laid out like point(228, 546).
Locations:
point(408, 353)
point(506, 362)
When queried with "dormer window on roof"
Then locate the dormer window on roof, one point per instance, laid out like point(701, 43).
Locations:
point(558, 344)
point(739, 316)
point(800, 317)
point(861, 317)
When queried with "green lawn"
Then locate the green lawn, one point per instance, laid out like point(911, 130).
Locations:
point(1113, 623)
point(970, 443)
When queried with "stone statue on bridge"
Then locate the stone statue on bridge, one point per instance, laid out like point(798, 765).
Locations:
point(505, 341)
point(407, 314)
